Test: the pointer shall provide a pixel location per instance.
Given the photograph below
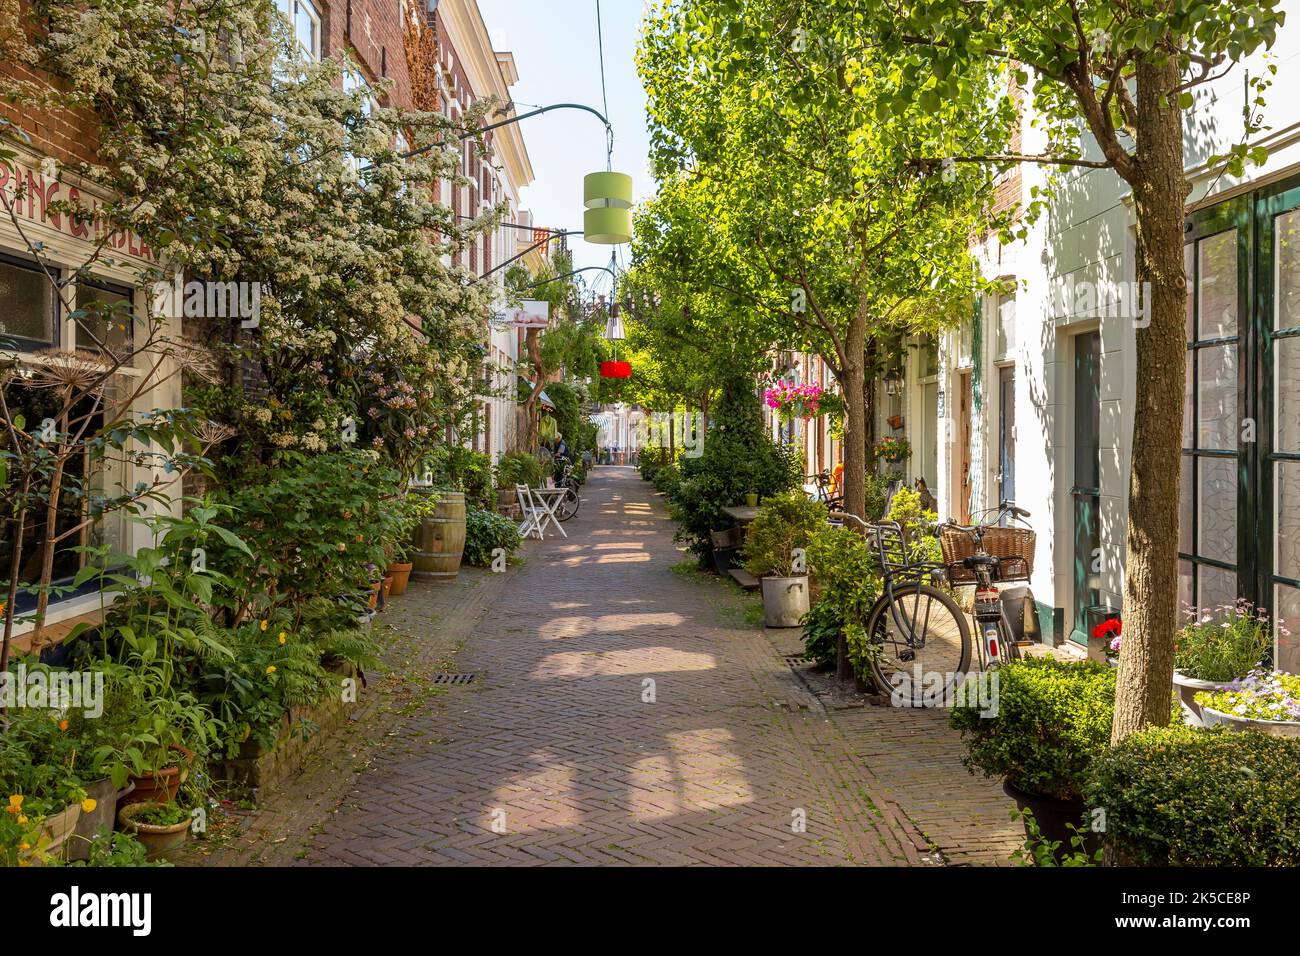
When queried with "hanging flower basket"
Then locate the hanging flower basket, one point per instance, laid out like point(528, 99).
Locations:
point(615, 369)
point(892, 449)
point(792, 401)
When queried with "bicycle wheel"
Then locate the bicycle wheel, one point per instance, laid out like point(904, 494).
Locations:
point(922, 660)
point(568, 506)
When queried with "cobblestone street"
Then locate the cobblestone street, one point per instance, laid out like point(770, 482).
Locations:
point(624, 708)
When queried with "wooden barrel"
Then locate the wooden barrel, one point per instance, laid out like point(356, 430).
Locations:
point(440, 539)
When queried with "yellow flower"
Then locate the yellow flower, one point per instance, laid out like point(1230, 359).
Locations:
point(24, 846)
point(15, 803)
point(264, 624)
point(271, 669)
point(282, 637)
point(21, 819)
point(88, 805)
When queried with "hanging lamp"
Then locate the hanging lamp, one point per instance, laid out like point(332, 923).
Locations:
point(608, 216)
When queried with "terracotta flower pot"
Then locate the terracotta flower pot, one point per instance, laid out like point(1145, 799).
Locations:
point(400, 572)
point(157, 839)
point(161, 786)
point(375, 588)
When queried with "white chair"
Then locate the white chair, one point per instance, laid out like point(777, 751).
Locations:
point(532, 523)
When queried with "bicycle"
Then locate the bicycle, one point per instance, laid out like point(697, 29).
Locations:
point(987, 555)
point(568, 506)
point(917, 632)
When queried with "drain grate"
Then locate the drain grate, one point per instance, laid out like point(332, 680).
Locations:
point(795, 660)
point(454, 678)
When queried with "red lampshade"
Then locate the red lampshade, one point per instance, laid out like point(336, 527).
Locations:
point(615, 369)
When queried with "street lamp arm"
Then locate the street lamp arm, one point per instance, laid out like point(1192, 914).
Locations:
point(609, 129)
point(573, 273)
point(558, 234)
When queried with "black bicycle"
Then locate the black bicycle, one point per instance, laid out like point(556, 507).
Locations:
point(568, 506)
point(987, 554)
point(918, 637)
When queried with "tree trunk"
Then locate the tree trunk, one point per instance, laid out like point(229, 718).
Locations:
point(855, 447)
point(1151, 572)
point(47, 555)
point(15, 565)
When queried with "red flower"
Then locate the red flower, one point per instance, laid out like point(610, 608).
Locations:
point(1109, 626)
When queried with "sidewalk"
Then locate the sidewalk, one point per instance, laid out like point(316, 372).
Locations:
point(622, 711)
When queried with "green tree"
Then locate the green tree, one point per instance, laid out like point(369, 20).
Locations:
point(808, 207)
point(1121, 75)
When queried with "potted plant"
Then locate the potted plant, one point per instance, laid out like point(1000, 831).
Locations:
point(751, 499)
point(775, 551)
point(398, 518)
point(1267, 701)
point(1217, 649)
point(1111, 633)
point(516, 468)
point(161, 827)
point(892, 449)
point(1051, 720)
point(791, 401)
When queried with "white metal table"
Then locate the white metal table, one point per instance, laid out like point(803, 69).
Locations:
point(548, 501)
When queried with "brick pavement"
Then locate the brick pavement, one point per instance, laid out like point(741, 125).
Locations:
point(623, 712)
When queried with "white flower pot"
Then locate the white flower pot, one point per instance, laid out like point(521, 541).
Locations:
point(1278, 728)
point(1187, 688)
point(785, 600)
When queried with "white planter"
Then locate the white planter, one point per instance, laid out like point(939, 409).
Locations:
point(1278, 728)
point(785, 600)
point(1187, 689)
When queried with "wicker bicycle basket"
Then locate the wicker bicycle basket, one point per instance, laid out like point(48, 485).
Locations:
point(1015, 546)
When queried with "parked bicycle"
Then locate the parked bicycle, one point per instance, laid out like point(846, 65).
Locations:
point(920, 636)
point(987, 554)
point(568, 505)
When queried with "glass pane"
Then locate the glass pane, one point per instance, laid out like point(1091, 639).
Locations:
point(1189, 271)
point(305, 21)
point(26, 305)
point(1185, 506)
point(1184, 588)
point(1215, 587)
point(1286, 391)
point(1217, 510)
point(1189, 402)
point(108, 320)
point(1217, 397)
point(1218, 285)
point(1286, 537)
point(1286, 612)
point(1287, 278)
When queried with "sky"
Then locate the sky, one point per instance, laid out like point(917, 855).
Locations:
point(555, 48)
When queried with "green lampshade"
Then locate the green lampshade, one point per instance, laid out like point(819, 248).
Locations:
point(607, 189)
point(607, 225)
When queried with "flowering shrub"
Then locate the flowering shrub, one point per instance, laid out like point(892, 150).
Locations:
point(793, 401)
point(892, 449)
point(1225, 644)
point(1260, 695)
point(1111, 626)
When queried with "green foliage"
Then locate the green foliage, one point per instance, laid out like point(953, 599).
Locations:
point(455, 468)
point(1040, 851)
point(666, 479)
point(485, 531)
point(1181, 797)
point(315, 525)
point(518, 468)
point(918, 527)
point(785, 523)
point(111, 849)
point(738, 458)
point(822, 626)
point(846, 569)
point(1053, 719)
point(1224, 645)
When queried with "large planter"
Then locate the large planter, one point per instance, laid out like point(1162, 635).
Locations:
point(157, 840)
point(506, 498)
point(59, 827)
point(162, 785)
point(785, 600)
point(1187, 688)
point(1054, 817)
point(1277, 728)
point(440, 539)
point(106, 798)
point(400, 572)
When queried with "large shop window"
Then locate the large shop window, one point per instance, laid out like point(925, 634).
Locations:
point(28, 310)
point(1239, 528)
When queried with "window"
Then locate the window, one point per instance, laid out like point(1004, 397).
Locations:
point(304, 23)
point(106, 320)
point(27, 307)
point(1006, 325)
